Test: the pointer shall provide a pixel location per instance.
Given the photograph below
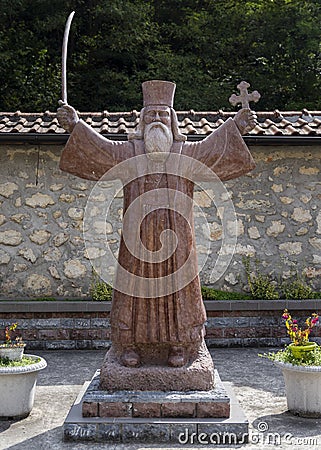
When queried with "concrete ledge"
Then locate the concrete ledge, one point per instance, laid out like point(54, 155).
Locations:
point(261, 305)
point(211, 305)
point(54, 306)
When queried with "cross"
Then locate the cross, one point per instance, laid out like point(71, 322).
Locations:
point(244, 98)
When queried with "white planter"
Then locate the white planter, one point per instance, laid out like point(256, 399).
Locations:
point(13, 353)
point(17, 388)
point(303, 389)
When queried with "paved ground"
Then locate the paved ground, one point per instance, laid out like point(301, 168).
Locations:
point(257, 383)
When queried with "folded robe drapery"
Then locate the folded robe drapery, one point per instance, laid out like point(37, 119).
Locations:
point(180, 315)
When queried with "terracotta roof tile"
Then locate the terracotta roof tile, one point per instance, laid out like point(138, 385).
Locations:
point(258, 131)
point(274, 130)
point(306, 129)
point(290, 130)
point(270, 123)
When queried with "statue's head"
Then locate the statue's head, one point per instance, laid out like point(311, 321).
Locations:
point(158, 124)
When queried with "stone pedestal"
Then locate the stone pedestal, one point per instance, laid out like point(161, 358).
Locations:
point(196, 375)
point(159, 417)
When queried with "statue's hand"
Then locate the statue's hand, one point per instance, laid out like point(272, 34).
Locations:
point(245, 120)
point(67, 116)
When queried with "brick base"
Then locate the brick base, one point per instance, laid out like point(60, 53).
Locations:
point(156, 404)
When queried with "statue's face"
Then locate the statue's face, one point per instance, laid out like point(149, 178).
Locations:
point(158, 136)
point(157, 114)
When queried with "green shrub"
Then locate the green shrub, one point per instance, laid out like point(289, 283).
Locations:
point(261, 286)
point(297, 290)
point(214, 294)
point(99, 290)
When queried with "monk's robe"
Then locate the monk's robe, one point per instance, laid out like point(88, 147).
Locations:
point(145, 315)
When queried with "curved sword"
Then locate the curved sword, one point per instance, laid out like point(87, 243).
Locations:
point(64, 59)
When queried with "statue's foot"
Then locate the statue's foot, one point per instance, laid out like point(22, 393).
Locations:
point(130, 358)
point(177, 357)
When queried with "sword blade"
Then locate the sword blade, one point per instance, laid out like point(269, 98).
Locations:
point(64, 59)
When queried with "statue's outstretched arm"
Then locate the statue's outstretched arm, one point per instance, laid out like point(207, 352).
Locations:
point(245, 120)
point(67, 116)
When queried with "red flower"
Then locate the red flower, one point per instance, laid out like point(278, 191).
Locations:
point(297, 335)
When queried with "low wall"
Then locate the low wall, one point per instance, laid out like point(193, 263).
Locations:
point(85, 325)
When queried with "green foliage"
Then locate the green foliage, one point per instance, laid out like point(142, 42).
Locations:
point(99, 290)
point(261, 286)
point(25, 361)
point(205, 46)
point(286, 356)
point(214, 294)
point(296, 290)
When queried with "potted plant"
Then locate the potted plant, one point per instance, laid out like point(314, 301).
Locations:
point(12, 348)
point(18, 377)
point(300, 363)
point(300, 346)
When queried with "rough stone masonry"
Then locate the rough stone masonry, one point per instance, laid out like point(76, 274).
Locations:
point(42, 252)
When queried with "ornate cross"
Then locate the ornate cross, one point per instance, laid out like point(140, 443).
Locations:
point(244, 98)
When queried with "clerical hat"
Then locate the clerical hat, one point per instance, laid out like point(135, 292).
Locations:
point(156, 92)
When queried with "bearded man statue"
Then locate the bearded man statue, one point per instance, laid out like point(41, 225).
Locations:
point(171, 324)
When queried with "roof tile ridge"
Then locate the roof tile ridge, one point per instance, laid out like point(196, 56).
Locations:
point(306, 112)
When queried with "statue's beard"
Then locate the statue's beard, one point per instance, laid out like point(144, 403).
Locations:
point(158, 139)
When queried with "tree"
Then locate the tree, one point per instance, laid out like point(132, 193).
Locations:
point(205, 46)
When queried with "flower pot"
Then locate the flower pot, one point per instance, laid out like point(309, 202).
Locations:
point(303, 389)
point(302, 351)
point(13, 353)
point(17, 388)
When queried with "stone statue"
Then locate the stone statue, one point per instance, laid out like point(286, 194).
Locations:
point(172, 324)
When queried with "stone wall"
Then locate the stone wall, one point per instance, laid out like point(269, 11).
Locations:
point(279, 220)
point(42, 252)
